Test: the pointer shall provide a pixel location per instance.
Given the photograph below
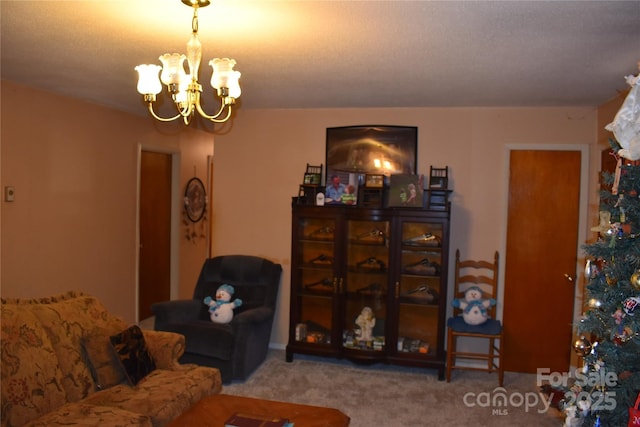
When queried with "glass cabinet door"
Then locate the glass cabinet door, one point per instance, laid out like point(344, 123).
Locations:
point(419, 288)
point(315, 283)
point(365, 285)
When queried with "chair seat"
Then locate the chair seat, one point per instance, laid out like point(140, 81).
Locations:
point(490, 327)
point(206, 338)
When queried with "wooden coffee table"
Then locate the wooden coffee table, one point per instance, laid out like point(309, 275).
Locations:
point(213, 411)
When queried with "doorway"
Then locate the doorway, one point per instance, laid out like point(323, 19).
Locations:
point(546, 210)
point(154, 271)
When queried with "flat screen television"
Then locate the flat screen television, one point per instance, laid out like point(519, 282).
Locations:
point(352, 152)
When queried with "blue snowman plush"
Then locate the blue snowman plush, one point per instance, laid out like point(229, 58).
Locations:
point(221, 308)
point(473, 306)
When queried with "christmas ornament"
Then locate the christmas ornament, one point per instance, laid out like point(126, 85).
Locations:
point(626, 124)
point(611, 280)
point(634, 414)
point(604, 228)
point(622, 336)
point(635, 280)
point(618, 315)
point(616, 230)
point(594, 303)
point(591, 269)
point(630, 304)
point(582, 346)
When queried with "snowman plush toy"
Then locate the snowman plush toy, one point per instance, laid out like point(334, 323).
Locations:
point(221, 308)
point(474, 306)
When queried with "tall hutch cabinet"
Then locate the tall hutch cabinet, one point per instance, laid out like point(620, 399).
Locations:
point(369, 284)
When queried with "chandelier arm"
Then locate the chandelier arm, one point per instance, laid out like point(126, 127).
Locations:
point(214, 118)
point(184, 111)
point(162, 119)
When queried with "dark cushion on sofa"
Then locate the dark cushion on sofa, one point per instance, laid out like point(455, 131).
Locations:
point(133, 353)
point(103, 362)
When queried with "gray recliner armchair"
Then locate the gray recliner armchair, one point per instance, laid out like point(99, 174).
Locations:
point(236, 348)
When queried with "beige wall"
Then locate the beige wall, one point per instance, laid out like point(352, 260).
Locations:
point(259, 165)
point(74, 167)
point(73, 224)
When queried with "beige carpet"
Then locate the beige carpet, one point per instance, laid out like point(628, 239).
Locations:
point(383, 395)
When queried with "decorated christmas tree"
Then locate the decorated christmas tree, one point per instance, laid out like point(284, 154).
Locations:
point(608, 384)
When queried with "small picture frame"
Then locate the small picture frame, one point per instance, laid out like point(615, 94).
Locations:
point(405, 190)
point(374, 181)
point(342, 189)
point(312, 179)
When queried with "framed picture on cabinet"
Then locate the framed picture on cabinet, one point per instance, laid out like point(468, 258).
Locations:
point(371, 149)
point(374, 181)
point(312, 179)
point(342, 189)
point(406, 190)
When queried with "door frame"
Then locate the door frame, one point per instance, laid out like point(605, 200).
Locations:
point(579, 284)
point(174, 275)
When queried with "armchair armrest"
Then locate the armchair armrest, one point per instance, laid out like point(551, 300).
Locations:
point(252, 330)
point(250, 324)
point(165, 348)
point(252, 316)
point(176, 311)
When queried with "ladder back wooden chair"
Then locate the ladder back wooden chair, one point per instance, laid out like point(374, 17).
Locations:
point(483, 275)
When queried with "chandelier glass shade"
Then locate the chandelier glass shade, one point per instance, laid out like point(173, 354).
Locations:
point(184, 88)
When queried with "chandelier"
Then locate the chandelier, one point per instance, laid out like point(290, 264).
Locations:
point(184, 87)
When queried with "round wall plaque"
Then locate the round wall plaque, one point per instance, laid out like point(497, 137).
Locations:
point(195, 199)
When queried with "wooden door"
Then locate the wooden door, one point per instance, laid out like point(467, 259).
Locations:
point(542, 246)
point(154, 282)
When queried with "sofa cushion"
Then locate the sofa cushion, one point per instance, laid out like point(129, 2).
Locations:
point(132, 351)
point(206, 338)
point(67, 319)
point(83, 414)
point(103, 361)
point(31, 378)
point(163, 394)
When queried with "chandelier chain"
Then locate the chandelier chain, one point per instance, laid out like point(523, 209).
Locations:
point(194, 21)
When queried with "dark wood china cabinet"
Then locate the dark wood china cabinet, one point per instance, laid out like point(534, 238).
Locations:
point(369, 284)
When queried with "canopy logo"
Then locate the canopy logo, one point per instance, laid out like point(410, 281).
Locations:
point(499, 400)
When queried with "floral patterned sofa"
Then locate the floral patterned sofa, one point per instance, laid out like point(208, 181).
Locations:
point(67, 361)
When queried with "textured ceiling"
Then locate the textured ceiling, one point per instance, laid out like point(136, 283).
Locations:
point(328, 54)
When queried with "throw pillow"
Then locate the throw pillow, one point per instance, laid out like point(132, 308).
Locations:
point(103, 362)
point(134, 355)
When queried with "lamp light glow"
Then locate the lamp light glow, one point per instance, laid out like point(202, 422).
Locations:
point(148, 80)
